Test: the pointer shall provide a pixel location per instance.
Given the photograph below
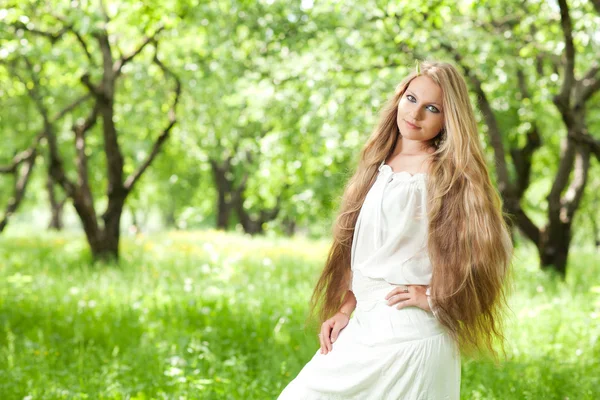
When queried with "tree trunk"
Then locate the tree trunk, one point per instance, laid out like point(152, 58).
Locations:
point(56, 207)
point(224, 187)
point(112, 226)
point(254, 224)
point(289, 226)
point(251, 225)
point(56, 218)
point(104, 247)
point(554, 247)
point(169, 219)
point(224, 209)
point(595, 230)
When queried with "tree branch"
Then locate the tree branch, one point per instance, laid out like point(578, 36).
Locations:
point(596, 4)
point(119, 64)
point(71, 28)
point(504, 184)
point(589, 85)
point(522, 157)
point(592, 143)
point(20, 158)
point(572, 197)
point(510, 193)
point(81, 159)
point(52, 36)
point(135, 176)
point(20, 185)
point(567, 156)
point(56, 165)
point(563, 98)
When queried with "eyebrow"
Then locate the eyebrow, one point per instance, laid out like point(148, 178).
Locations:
point(413, 93)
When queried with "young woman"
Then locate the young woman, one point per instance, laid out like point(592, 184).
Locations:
point(421, 254)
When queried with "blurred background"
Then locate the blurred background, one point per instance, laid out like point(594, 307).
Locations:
point(170, 172)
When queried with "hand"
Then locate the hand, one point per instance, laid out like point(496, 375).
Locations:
point(330, 330)
point(415, 297)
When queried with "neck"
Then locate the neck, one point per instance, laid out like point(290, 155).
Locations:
point(410, 147)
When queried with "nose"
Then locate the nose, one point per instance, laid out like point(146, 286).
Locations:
point(417, 113)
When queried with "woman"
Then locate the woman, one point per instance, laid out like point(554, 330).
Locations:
point(421, 254)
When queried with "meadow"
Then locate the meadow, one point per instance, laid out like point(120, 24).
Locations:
point(213, 315)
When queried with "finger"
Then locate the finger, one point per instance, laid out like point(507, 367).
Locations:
point(393, 292)
point(398, 298)
point(334, 333)
point(325, 334)
point(398, 290)
point(323, 343)
point(406, 303)
point(327, 340)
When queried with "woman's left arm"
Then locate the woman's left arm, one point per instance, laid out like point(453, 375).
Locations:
point(431, 306)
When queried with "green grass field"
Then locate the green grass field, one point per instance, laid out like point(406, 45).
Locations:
point(209, 315)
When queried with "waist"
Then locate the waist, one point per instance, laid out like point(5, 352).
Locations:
point(385, 324)
point(370, 291)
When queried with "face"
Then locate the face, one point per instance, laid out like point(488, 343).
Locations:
point(420, 113)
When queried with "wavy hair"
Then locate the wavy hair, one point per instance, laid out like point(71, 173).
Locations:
point(469, 243)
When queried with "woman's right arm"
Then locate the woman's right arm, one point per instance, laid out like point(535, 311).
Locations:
point(331, 328)
point(349, 304)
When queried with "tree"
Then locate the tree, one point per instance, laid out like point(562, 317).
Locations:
point(102, 232)
point(553, 239)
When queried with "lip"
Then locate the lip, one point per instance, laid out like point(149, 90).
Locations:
point(412, 126)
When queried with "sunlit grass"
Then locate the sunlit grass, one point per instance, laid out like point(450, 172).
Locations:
point(210, 315)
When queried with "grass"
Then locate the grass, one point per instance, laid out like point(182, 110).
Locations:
point(209, 315)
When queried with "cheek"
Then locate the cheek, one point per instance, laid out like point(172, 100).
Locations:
point(437, 122)
point(403, 104)
point(404, 108)
point(436, 125)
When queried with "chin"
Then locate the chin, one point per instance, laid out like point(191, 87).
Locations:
point(410, 135)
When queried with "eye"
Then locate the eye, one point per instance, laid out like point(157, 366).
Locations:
point(431, 108)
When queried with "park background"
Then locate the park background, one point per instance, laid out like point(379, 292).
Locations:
point(170, 172)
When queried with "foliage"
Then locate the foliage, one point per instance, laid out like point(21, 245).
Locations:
point(290, 91)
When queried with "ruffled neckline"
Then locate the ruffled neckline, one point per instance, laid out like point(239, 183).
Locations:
point(404, 175)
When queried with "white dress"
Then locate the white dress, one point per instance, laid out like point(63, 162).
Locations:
point(383, 352)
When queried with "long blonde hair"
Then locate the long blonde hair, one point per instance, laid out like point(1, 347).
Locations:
point(469, 244)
